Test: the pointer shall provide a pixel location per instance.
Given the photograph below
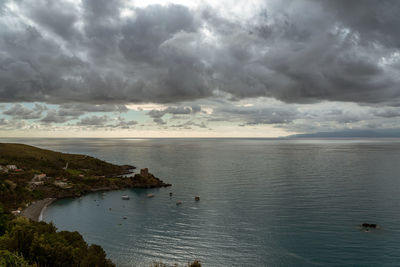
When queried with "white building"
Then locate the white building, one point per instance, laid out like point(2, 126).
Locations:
point(12, 167)
point(39, 177)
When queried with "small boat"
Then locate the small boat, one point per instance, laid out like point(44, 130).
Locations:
point(150, 195)
point(197, 198)
point(170, 194)
point(178, 203)
point(369, 225)
point(125, 197)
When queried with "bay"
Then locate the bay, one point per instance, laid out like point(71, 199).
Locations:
point(264, 202)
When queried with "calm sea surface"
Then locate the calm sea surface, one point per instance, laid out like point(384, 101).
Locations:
point(263, 202)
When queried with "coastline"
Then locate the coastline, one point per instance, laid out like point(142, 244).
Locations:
point(55, 175)
point(36, 209)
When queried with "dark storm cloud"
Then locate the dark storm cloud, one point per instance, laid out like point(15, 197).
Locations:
point(60, 114)
point(375, 21)
point(172, 110)
point(84, 107)
point(19, 111)
point(13, 124)
point(259, 115)
point(93, 120)
point(59, 17)
point(151, 27)
point(387, 113)
point(64, 112)
point(158, 114)
point(122, 123)
point(189, 124)
point(54, 116)
point(296, 51)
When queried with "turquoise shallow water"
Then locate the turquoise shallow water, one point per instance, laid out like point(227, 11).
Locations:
point(263, 202)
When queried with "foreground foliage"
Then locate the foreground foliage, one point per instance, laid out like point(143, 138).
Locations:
point(25, 243)
point(39, 244)
point(10, 259)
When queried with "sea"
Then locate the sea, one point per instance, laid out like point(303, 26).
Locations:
point(263, 202)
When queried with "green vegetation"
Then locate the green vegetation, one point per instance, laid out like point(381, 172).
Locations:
point(65, 175)
point(40, 174)
point(25, 243)
point(4, 218)
point(73, 172)
point(52, 163)
point(10, 259)
point(39, 244)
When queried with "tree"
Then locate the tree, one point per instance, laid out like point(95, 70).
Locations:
point(4, 218)
point(40, 243)
point(12, 259)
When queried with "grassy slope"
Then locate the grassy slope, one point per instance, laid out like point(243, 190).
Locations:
point(84, 174)
point(51, 162)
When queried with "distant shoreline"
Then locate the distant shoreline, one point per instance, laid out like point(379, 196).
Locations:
point(36, 209)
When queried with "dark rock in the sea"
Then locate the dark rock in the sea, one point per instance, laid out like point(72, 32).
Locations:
point(147, 180)
point(369, 225)
point(170, 194)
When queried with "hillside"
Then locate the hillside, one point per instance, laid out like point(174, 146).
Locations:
point(29, 173)
point(33, 158)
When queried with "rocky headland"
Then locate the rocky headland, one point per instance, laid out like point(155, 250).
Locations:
point(31, 178)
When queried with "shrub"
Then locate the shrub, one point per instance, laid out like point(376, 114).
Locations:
point(11, 259)
point(40, 243)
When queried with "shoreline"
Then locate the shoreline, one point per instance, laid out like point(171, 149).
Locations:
point(36, 209)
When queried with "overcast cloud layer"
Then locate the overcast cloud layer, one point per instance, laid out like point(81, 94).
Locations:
point(281, 58)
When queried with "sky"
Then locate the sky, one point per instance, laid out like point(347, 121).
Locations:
point(152, 68)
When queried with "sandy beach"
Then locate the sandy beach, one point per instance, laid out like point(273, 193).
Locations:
point(34, 211)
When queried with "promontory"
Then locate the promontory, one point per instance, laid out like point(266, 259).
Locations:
point(30, 175)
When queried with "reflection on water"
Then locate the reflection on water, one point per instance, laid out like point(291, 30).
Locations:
point(263, 202)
